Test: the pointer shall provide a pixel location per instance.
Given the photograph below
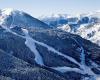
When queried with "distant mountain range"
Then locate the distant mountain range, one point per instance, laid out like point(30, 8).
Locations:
point(62, 19)
point(33, 50)
point(85, 25)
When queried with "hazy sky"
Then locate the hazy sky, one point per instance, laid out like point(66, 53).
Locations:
point(45, 7)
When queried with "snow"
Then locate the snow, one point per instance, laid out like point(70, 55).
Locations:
point(65, 28)
point(86, 30)
point(1, 21)
point(4, 14)
point(94, 64)
point(82, 54)
point(98, 78)
point(29, 42)
point(7, 11)
point(57, 52)
point(67, 69)
point(85, 68)
point(31, 45)
point(91, 32)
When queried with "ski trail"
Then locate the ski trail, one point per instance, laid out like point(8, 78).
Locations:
point(67, 69)
point(85, 68)
point(82, 54)
point(31, 45)
point(30, 40)
point(57, 52)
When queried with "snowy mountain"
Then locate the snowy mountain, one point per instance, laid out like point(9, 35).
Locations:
point(72, 20)
point(85, 25)
point(45, 54)
point(90, 32)
point(19, 18)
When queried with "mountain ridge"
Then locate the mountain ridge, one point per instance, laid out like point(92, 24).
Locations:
point(48, 54)
point(85, 25)
point(20, 18)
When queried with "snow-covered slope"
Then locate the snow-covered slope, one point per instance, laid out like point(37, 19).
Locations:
point(19, 18)
point(85, 25)
point(90, 32)
point(63, 19)
point(45, 54)
point(54, 20)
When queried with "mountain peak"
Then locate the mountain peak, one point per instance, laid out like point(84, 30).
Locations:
point(9, 16)
point(7, 11)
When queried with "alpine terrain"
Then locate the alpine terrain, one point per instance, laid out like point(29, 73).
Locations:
point(85, 25)
point(33, 50)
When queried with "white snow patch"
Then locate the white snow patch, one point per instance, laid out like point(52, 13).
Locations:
point(7, 11)
point(31, 45)
point(90, 32)
point(65, 27)
point(98, 78)
point(67, 69)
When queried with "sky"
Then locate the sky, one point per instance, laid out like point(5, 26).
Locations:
point(46, 7)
